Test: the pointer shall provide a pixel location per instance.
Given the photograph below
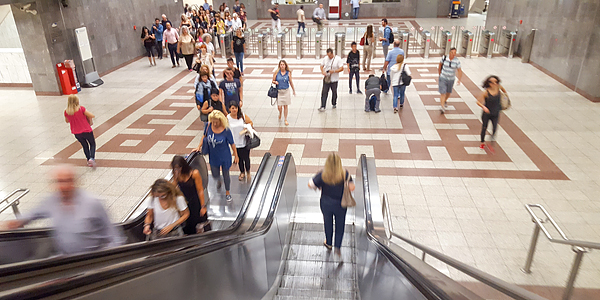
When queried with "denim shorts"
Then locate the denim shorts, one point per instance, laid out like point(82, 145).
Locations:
point(445, 86)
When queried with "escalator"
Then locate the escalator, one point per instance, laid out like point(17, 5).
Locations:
point(276, 253)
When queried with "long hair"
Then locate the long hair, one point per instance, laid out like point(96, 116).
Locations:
point(400, 59)
point(240, 114)
point(287, 68)
point(180, 162)
point(333, 173)
point(217, 114)
point(72, 105)
point(145, 32)
point(486, 82)
point(370, 31)
point(170, 190)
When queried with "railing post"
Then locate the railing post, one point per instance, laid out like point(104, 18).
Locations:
point(579, 252)
point(15, 208)
point(423, 257)
point(532, 245)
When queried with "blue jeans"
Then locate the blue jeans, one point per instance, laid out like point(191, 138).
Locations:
point(239, 60)
point(399, 94)
point(352, 74)
point(332, 208)
point(355, 12)
point(301, 25)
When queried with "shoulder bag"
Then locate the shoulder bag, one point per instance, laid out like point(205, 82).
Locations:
point(347, 198)
point(504, 101)
point(204, 150)
point(404, 77)
point(327, 78)
point(362, 40)
point(273, 93)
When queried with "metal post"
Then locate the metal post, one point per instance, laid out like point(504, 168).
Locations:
point(574, 270)
point(532, 245)
point(261, 45)
point(223, 46)
point(15, 208)
point(318, 42)
point(423, 256)
point(405, 41)
point(299, 46)
point(427, 43)
point(280, 45)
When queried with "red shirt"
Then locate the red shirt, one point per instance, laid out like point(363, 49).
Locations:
point(78, 121)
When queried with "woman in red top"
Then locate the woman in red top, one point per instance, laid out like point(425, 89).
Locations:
point(80, 120)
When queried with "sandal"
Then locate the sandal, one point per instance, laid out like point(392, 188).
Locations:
point(327, 246)
point(286, 123)
point(241, 177)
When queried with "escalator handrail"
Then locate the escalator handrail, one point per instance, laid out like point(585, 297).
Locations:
point(113, 274)
point(135, 248)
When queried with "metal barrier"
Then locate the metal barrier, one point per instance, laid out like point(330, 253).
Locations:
point(14, 203)
point(446, 42)
point(262, 45)
point(299, 45)
point(280, 45)
point(340, 43)
point(426, 39)
point(486, 47)
point(467, 43)
point(405, 41)
point(508, 43)
point(225, 44)
point(579, 247)
point(528, 46)
point(318, 44)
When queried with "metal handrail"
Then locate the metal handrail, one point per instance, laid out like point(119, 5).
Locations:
point(579, 247)
point(15, 202)
point(509, 289)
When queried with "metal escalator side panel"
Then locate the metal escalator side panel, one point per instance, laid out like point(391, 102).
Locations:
point(255, 210)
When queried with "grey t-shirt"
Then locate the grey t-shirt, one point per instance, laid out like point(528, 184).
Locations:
point(449, 68)
point(372, 83)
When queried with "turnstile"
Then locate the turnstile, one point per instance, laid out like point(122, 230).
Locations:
point(446, 42)
point(486, 47)
point(280, 45)
point(262, 45)
point(426, 41)
point(248, 36)
point(508, 43)
point(225, 45)
point(467, 43)
point(299, 45)
point(318, 43)
point(405, 40)
point(340, 43)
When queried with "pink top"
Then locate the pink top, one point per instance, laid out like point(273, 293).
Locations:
point(78, 121)
point(171, 36)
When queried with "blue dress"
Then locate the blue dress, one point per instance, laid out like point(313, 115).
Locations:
point(219, 151)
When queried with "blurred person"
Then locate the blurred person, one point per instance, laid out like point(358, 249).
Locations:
point(236, 23)
point(386, 39)
point(206, 59)
point(171, 37)
point(331, 67)
point(243, 16)
point(203, 87)
point(157, 30)
point(236, 7)
point(368, 48)
point(489, 101)
point(301, 19)
point(80, 121)
point(390, 60)
point(186, 46)
point(206, 40)
point(396, 81)
point(231, 89)
point(331, 183)
point(79, 221)
point(190, 184)
point(166, 210)
point(372, 88)
point(185, 22)
point(214, 103)
point(353, 62)
point(318, 16)
point(238, 44)
point(237, 74)
point(149, 41)
point(240, 124)
point(276, 18)
point(355, 8)
point(206, 6)
point(449, 66)
point(283, 79)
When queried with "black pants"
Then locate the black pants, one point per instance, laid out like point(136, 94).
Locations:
point(173, 53)
point(353, 73)
point(244, 159)
point(189, 58)
point(88, 143)
point(485, 118)
point(159, 49)
point(326, 86)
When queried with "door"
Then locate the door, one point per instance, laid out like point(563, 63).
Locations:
point(427, 8)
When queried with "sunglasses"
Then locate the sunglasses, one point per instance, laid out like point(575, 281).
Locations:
point(162, 197)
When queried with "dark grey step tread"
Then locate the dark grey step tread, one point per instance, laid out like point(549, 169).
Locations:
point(306, 237)
point(317, 283)
point(315, 227)
point(278, 297)
point(320, 269)
point(315, 294)
point(317, 253)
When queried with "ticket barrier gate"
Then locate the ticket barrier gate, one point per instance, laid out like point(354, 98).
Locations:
point(405, 40)
point(426, 41)
point(446, 42)
point(262, 45)
point(486, 46)
point(508, 43)
point(280, 45)
point(225, 44)
point(318, 43)
point(340, 43)
point(467, 43)
point(299, 45)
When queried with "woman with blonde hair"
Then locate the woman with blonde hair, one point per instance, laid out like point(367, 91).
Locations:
point(331, 183)
point(218, 137)
point(396, 81)
point(166, 209)
point(80, 121)
point(283, 79)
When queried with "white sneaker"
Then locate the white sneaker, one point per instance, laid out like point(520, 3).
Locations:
point(443, 109)
point(321, 109)
point(92, 163)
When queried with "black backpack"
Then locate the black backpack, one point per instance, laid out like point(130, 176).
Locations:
point(391, 39)
point(383, 82)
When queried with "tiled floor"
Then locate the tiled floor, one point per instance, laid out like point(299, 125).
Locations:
point(444, 191)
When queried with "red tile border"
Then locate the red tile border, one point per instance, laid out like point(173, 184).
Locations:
point(15, 85)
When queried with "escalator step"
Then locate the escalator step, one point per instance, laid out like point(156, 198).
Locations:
point(314, 294)
point(320, 269)
point(316, 237)
point(317, 283)
point(317, 253)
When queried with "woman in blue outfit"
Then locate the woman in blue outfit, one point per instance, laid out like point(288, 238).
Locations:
point(219, 139)
point(331, 183)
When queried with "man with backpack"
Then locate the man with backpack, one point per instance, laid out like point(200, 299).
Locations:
point(372, 89)
point(447, 69)
point(388, 36)
point(390, 60)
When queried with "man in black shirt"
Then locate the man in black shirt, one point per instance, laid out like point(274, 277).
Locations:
point(353, 62)
point(236, 72)
point(276, 22)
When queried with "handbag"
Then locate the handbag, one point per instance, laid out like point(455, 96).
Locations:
point(273, 92)
point(404, 77)
point(179, 55)
point(327, 78)
point(203, 116)
point(347, 198)
point(204, 149)
point(252, 142)
point(504, 101)
point(362, 41)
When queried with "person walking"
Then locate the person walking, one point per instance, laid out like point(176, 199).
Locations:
point(353, 62)
point(236, 23)
point(372, 88)
point(238, 44)
point(331, 67)
point(301, 19)
point(355, 8)
point(368, 48)
point(283, 79)
point(214, 103)
point(80, 121)
point(187, 47)
point(318, 16)
point(166, 210)
point(276, 18)
point(203, 87)
point(449, 66)
point(190, 184)
point(396, 81)
point(239, 123)
point(331, 183)
point(390, 59)
point(149, 41)
point(206, 41)
point(386, 39)
point(206, 59)
point(489, 101)
point(157, 30)
point(231, 89)
point(218, 136)
point(171, 37)
point(164, 22)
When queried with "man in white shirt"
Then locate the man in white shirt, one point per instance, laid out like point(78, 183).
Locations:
point(355, 7)
point(318, 16)
point(331, 67)
point(301, 19)
point(236, 23)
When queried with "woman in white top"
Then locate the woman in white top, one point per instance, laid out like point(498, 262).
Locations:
point(166, 208)
point(396, 81)
point(207, 41)
point(239, 123)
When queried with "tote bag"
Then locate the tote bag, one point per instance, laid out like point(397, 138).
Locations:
point(347, 198)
